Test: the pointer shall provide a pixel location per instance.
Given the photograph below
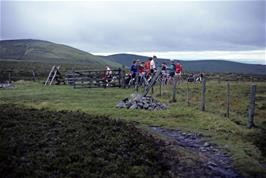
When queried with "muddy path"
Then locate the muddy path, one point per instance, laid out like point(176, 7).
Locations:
point(213, 162)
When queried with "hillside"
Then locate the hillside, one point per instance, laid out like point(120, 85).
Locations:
point(217, 66)
point(48, 52)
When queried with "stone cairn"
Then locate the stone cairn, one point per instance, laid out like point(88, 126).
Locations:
point(137, 101)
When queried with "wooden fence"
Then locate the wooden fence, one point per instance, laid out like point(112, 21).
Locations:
point(10, 75)
point(202, 100)
point(228, 98)
point(90, 79)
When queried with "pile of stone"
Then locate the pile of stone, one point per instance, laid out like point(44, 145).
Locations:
point(137, 101)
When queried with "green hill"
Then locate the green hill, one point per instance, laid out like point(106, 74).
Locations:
point(48, 52)
point(214, 66)
point(23, 56)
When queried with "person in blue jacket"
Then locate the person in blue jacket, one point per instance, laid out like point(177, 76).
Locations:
point(134, 69)
point(171, 70)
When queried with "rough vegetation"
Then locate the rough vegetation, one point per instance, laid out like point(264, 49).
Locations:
point(39, 143)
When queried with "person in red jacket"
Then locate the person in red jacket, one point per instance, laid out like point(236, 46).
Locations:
point(178, 70)
point(147, 68)
point(142, 68)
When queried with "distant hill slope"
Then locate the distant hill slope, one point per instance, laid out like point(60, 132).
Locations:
point(48, 52)
point(219, 66)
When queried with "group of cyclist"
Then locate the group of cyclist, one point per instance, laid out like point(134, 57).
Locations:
point(142, 72)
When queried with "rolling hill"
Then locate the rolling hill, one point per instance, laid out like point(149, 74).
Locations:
point(23, 56)
point(48, 52)
point(214, 66)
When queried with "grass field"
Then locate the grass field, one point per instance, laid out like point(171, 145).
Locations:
point(247, 146)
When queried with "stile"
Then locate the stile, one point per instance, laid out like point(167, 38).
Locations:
point(49, 76)
point(56, 69)
point(153, 80)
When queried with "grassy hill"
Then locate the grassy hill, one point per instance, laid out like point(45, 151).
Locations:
point(23, 56)
point(27, 55)
point(214, 66)
point(48, 52)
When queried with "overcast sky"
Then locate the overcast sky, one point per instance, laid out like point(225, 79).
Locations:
point(189, 30)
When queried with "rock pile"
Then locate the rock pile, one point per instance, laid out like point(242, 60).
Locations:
point(137, 101)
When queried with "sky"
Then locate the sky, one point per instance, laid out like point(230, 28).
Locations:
point(189, 30)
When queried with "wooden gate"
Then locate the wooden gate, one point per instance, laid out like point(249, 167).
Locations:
point(88, 78)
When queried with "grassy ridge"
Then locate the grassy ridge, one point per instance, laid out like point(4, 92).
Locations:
point(48, 52)
point(246, 145)
point(23, 56)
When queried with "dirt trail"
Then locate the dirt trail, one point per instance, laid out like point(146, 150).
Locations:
point(213, 160)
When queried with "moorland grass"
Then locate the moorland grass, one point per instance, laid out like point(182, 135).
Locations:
point(40, 143)
point(230, 134)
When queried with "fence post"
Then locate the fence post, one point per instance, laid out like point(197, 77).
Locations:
point(123, 77)
point(188, 102)
point(219, 79)
point(33, 75)
point(120, 75)
point(252, 78)
point(152, 89)
point(203, 91)
point(137, 82)
point(174, 89)
point(228, 100)
point(74, 79)
point(9, 76)
point(160, 88)
point(251, 108)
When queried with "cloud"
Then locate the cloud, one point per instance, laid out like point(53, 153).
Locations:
point(139, 26)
